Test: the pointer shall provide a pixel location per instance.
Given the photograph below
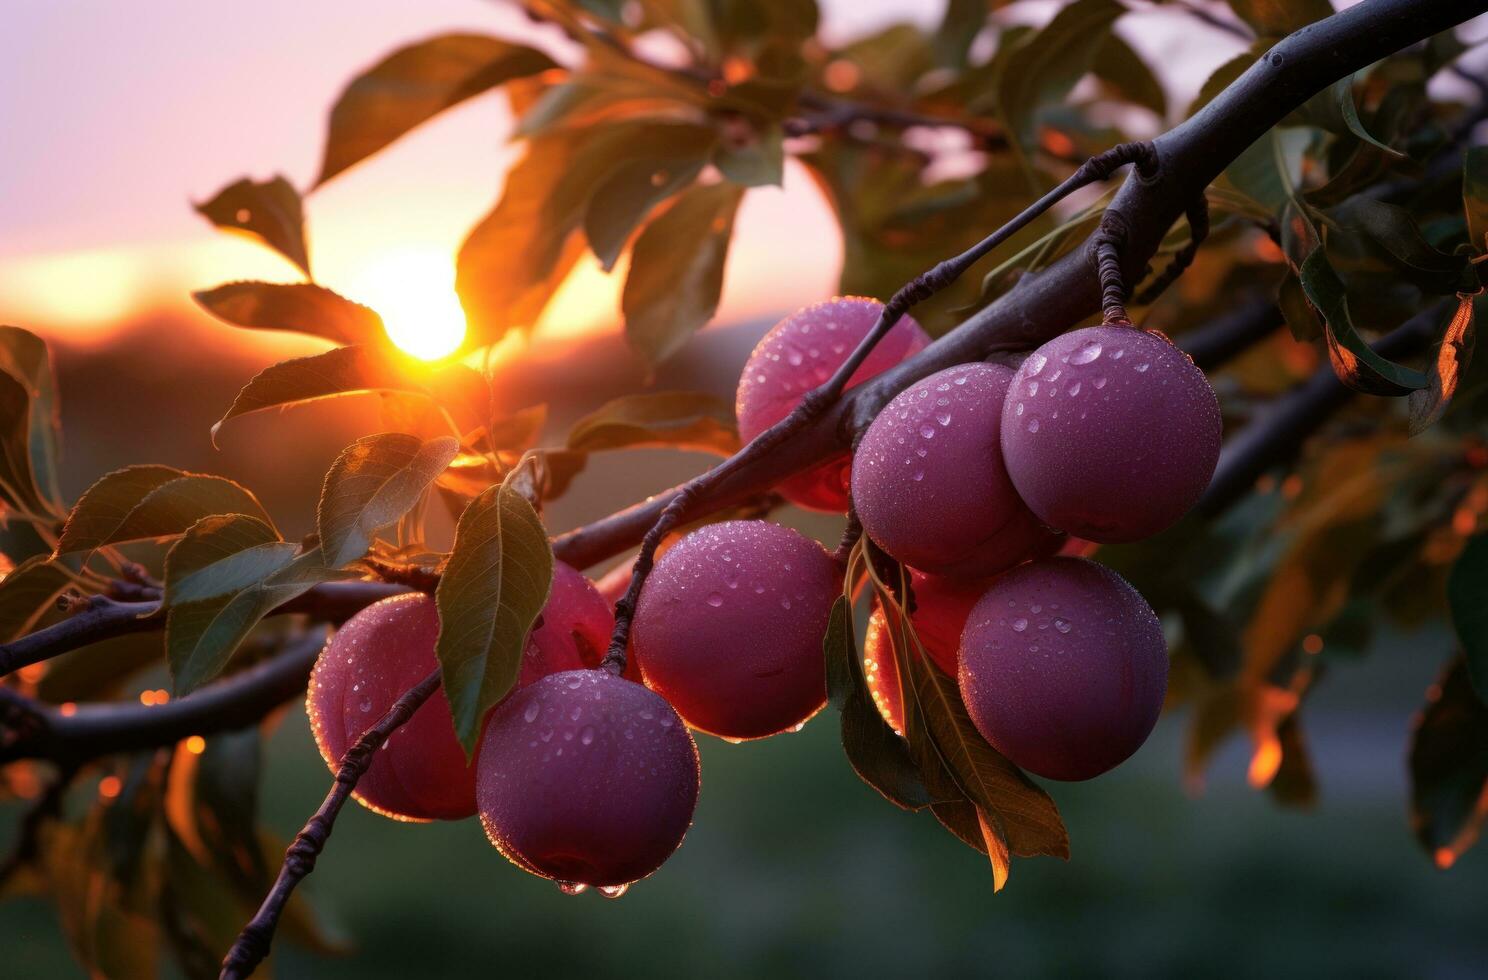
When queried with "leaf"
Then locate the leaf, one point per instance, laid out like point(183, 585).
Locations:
point(515, 258)
point(27, 592)
point(1270, 169)
point(1466, 587)
point(300, 307)
point(753, 158)
point(1448, 365)
point(879, 756)
point(1353, 360)
point(415, 83)
point(1475, 196)
point(24, 356)
point(1396, 233)
point(1124, 71)
point(150, 501)
point(1045, 66)
point(372, 483)
point(676, 271)
point(492, 590)
point(1278, 18)
point(1028, 818)
point(679, 419)
point(630, 192)
point(959, 26)
point(1449, 767)
point(339, 371)
point(1221, 77)
point(18, 486)
point(201, 636)
point(269, 212)
point(220, 555)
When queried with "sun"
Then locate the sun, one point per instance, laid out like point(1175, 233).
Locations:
point(414, 292)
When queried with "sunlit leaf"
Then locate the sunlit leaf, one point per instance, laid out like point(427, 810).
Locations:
point(300, 307)
point(111, 936)
point(681, 419)
point(372, 483)
point(1448, 364)
point(492, 590)
point(415, 83)
point(202, 636)
point(150, 501)
point(269, 212)
point(27, 592)
point(339, 371)
point(1353, 360)
point(220, 555)
point(24, 356)
point(1449, 767)
point(879, 756)
point(1466, 588)
point(676, 271)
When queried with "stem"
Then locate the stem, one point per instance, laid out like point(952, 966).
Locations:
point(819, 399)
point(253, 942)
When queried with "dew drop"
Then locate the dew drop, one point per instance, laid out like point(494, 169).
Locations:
point(571, 887)
point(613, 891)
point(1099, 383)
point(1033, 425)
point(918, 475)
point(1074, 389)
point(1062, 625)
point(530, 715)
point(715, 600)
point(1087, 352)
point(365, 705)
point(1020, 624)
point(1032, 388)
point(961, 380)
point(586, 736)
point(785, 603)
point(1019, 410)
point(1036, 362)
point(944, 418)
point(1142, 368)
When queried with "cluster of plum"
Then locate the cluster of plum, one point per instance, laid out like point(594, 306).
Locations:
point(974, 478)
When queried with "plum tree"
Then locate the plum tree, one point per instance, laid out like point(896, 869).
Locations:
point(799, 354)
point(382, 651)
point(1110, 433)
point(941, 606)
point(1063, 667)
point(421, 773)
point(587, 778)
point(729, 627)
point(929, 482)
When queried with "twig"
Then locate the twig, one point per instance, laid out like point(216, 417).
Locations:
point(253, 942)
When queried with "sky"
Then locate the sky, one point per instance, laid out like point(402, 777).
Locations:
point(116, 116)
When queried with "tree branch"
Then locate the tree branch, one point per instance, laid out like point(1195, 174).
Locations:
point(1041, 306)
point(253, 942)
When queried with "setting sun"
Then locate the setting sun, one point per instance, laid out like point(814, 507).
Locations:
point(414, 291)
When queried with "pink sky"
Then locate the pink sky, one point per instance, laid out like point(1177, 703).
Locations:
point(117, 115)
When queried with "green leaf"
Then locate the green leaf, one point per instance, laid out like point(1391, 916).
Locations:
point(24, 356)
point(1278, 18)
point(339, 371)
point(1270, 169)
point(269, 212)
point(372, 483)
point(959, 26)
point(752, 158)
point(150, 501)
point(221, 555)
point(1466, 587)
point(879, 756)
point(635, 187)
point(1341, 93)
point(492, 590)
point(676, 271)
point(1353, 360)
point(1448, 365)
point(1475, 196)
point(680, 419)
point(201, 636)
point(27, 592)
point(1449, 766)
point(1394, 231)
point(18, 485)
point(300, 307)
point(1045, 66)
point(1124, 71)
point(415, 83)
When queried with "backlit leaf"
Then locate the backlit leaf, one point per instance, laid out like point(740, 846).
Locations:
point(149, 501)
point(24, 356)
point(1395, 233)
point(300, 307)
point(681, 419)
point(415, 83)
point(492, 590)
point(634, 188)
point(1449, 767)
point(1355, 363)
point(1448, 364)
point(676, 271)
point(269, 212)
point(27, 592)
point(372, 483)
point(18, 486)
point(220, 555)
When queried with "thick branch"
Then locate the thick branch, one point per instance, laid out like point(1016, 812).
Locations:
point(334, 602)
point(36, 731)
point(253, 942)
point(1041, 306)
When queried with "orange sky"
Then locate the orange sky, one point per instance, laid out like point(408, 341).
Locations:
point(118, 114)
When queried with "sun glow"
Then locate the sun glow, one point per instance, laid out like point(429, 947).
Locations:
point(414, 292)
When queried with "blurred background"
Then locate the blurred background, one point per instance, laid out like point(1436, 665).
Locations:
point(118, 116)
